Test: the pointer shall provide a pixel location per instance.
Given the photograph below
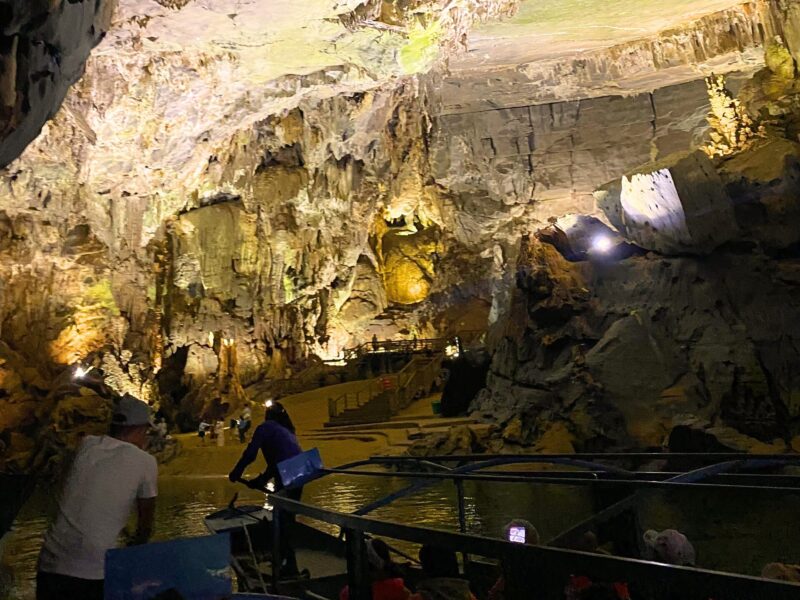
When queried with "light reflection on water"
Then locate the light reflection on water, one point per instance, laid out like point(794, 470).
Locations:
point(184, 501)
point(739, 533)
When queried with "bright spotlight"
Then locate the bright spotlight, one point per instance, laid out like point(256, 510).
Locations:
point(80, 372)
point(601, 243)
point(268, 403)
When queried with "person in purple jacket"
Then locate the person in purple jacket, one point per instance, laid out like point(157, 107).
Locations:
point(276, 439)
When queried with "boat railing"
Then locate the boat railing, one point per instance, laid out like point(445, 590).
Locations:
point(543, 571)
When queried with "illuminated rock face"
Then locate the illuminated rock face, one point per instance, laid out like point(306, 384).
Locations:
point(408, 264)
point(576, 50)
point(238, 184)
point(620, 352)
point(43, 47)
point(694, 205)
point(675, 209)
point(216, 170)
point(532, 162)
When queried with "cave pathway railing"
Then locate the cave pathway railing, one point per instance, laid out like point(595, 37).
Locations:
point(391, 393)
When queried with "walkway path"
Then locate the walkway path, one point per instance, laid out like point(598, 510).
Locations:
point(338, 445)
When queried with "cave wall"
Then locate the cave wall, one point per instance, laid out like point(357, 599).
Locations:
point(617, 354)
point(43, 48)
point(155, 216)
point(296, 255)
point(687, 339)
point(724, 41)
point(509, 148)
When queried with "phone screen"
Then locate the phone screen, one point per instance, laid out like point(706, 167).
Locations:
point(516, 534)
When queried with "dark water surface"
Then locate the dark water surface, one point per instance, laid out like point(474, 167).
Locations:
point(740, 531)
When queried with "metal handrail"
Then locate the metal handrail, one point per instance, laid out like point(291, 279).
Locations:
point(541, 569)
point(359, 397)
point(506, 477)
point(716, 456)
point(552, 564)
point(383, 346)
point(401, 387)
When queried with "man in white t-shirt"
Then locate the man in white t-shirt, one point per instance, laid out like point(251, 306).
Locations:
point(110, 476)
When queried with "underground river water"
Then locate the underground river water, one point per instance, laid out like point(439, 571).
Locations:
point(738, 532)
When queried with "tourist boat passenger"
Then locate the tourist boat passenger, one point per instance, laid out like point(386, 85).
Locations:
point(110, 475)
point(387, 584)
point(517, 531)
point(669, 546)
point(442, 578)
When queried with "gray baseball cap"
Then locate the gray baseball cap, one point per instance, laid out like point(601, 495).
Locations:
point(670, 546)
point(131, 412)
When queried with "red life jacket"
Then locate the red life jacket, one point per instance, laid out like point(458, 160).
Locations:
point(385, 589)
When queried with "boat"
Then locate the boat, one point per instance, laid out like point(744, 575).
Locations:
point(251, 533)
point(333, 560)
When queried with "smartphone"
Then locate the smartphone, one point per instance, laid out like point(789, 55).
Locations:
point(516, 535)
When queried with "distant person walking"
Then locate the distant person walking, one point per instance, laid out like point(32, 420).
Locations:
point(201, 430)
point(219, 431)
point(243, 425)
point(110, 476)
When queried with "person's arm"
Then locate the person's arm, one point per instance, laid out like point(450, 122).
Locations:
point(145, 518)
point(146, 502)
point(249, 455)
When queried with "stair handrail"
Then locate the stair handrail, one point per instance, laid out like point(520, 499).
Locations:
point(337, 405)
point(419, 372)
point(408, 379)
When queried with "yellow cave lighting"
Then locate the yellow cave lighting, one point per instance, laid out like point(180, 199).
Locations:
point(406, 282)
point(416, 290)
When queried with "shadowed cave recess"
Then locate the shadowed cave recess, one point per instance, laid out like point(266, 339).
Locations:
point(199, 200)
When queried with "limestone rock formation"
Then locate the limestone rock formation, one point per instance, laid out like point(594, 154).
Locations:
point(622, 351)
point(679, 208)
point(688, 345)
point(231, 190)
point(225, 186)
point(43, 47)
point(693, 205)
point(764, 185)
point(409, 264)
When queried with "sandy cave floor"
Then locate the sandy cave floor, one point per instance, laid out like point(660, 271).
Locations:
point(309, 411)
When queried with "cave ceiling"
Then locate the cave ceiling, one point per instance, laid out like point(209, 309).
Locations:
point(296, 176)
point(319, 115)
point(545, 30)
point(174, 81)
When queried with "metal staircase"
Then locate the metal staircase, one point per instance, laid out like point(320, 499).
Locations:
point(383, 397)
